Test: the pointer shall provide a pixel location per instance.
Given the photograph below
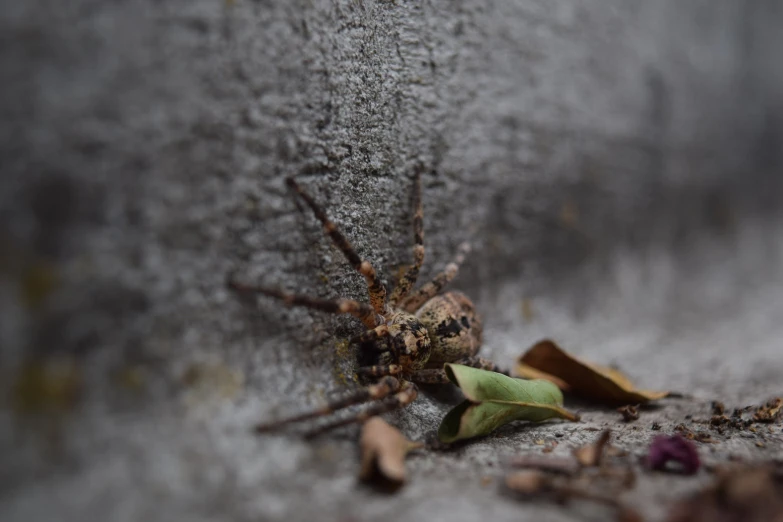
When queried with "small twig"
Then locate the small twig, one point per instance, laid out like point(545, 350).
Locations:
point(591, 454)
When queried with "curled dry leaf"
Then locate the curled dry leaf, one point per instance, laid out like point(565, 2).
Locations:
point(591, 454)
point(752, 494)
point(528, 372)
point(546, 360)
point(673, 449)
point(383, 453)
point(494, 399)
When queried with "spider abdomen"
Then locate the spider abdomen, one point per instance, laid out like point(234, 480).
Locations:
point(454, 328)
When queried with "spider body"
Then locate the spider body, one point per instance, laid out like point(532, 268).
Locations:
point(454, 326)
point(410, 334)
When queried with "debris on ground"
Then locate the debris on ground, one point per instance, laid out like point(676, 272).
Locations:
point(676, 449)
point(383, 450)
point(769, 412)
point(630, 413)
point(592, 454)
point(697, 436)
point(747, 494)
point(585, 475)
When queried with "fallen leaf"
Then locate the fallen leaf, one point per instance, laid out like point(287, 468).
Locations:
point(588, 380)
point(747, 494)
point(591, 454)
point(494, 399)
point(528, 372)
point(383, 453)
point(673, 449)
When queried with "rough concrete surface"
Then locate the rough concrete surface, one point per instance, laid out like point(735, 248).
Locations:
point(615, 164)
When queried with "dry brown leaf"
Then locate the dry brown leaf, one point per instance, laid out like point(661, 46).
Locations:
point(383, 453)
point(585, 379)
point(528, 372)
point(591, 454)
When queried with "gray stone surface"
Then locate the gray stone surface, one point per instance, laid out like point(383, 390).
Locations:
point(615, 164)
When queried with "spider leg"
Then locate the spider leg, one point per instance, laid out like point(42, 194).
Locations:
point(379, 371)
point(431, 289)
point(380, 390)
point(376, 333)
point(361, 311)
point(402, 398)
point(408, 279)
point(374, 286)
point(438, 375)
point(482, 364)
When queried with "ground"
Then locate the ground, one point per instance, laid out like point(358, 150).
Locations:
point(616, 167)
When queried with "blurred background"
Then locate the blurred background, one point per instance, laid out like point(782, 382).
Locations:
point(616, 165)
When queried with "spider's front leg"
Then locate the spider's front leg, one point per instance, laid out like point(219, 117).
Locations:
point(407, 394)
point(375, 288)
point(408, 279)
point(414, 301)
point(382, 389)
point(438, 375)
point(362, 311)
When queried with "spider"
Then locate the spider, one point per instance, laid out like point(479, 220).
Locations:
point(409, 335)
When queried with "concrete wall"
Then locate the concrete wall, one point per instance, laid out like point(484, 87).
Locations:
point(144, 145)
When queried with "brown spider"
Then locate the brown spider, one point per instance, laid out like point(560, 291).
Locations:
point(409, 336)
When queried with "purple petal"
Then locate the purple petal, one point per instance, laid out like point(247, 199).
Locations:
point(665, 449)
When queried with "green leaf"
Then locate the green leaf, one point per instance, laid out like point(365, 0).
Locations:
point(494, 400)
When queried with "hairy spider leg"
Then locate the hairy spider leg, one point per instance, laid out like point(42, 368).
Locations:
point(379, 390)
point(438, 375)
point(408, 279)
point(361, 311)
point(379, 370)
point(375, 288)
point(405, 396)
point(414, 301)
point(370, 336)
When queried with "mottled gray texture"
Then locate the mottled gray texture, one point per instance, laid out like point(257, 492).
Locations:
point(616, 163)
